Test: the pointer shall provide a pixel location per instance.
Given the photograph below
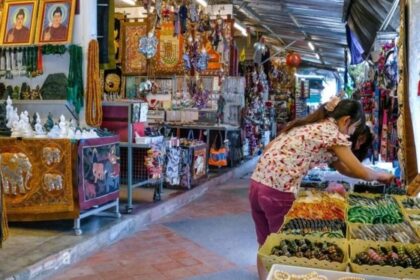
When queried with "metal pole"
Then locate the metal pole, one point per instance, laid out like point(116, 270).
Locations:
point(346, 68)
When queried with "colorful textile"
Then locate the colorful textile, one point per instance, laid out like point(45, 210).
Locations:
point(99, 171)
point(291, 155)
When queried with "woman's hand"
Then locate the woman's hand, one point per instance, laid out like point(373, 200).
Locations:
point(385, 178)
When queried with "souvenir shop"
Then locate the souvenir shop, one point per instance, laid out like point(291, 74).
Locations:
point(164, 95)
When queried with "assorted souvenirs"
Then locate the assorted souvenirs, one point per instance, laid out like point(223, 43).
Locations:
point(402, 233)
point(374, 210)
point(303, 248)
point(322, 228)
point(397, 255)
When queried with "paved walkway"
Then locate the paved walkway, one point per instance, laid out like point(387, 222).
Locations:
point(211, 238)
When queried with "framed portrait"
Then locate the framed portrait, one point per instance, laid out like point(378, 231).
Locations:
point(133, 62)
point(18, 22)
point(55, 22)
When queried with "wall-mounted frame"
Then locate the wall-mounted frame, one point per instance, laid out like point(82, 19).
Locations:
point(55, 22)
point(133, 62)
point(407, 152)
point(18, 22)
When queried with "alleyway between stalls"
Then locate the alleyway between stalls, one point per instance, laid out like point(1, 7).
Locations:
point(210, 239)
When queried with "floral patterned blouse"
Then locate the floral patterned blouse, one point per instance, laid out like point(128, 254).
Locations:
point(291, 155)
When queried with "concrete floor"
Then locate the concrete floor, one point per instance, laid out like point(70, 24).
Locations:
point(211, 238)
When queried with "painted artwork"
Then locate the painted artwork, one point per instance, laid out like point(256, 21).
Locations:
point(18, 22)
point(133, 62)
point(36, 177)
point(55, 22)
point(200, 162)
point(99, 166)
point(170, 50)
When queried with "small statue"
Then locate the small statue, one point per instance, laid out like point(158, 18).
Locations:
point(16, 93)
point(34, 120)
point(54, 132)
point(39, 129)
point(50, 123)
point(25, 126)
point(4, 130)
point(63, 127)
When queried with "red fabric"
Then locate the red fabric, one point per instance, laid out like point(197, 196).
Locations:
point(268, 206)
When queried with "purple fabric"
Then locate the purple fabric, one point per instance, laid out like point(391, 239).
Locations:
point(269, 206)
point(356, 50)
point(98, 153)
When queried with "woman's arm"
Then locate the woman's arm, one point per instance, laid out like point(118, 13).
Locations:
point(349, 165)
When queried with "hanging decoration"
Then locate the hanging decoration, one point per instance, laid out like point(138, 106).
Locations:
point(94, 100)
point(148, 45)
point(293, 59)
point(259, 50)
point(75, 88)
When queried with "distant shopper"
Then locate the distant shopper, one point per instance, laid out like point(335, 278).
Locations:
point(321, 137)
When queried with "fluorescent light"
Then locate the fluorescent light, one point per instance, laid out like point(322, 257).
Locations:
point(311, 46)
point(202, 2)
point(240, 28)
point(130, 2)
point(317, 56)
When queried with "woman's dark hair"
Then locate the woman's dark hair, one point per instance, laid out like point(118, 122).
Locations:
point(346, 107)
point(364, 148)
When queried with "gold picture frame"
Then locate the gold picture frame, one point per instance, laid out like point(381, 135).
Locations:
point(18, 22)
point(407, 151)
point(55, 22)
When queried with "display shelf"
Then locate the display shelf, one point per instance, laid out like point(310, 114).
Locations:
point(131, 182)
point(45, 106)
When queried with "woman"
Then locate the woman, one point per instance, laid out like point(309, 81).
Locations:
point(321, 137)
point(361, 141)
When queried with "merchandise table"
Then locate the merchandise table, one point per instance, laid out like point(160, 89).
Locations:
point(53, 179)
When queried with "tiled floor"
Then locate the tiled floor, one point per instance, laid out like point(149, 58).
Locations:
point(211, 238)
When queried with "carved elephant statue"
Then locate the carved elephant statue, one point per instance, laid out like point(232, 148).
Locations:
point(15, 172)
point(53, 182)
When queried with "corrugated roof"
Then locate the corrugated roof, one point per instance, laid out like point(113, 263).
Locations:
point(321, 22)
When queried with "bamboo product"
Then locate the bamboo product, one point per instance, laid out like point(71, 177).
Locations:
point(94, 99)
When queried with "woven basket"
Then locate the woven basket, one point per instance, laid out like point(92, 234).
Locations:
point(358, 246)
point(274, 239)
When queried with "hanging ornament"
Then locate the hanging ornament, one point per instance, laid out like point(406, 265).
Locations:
point(259, 50)
point(183, 16)
point(176, 20)
point(293, 59)
point(187, 62)
point(203, 59)
point(148, 45)
point(193, 12)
